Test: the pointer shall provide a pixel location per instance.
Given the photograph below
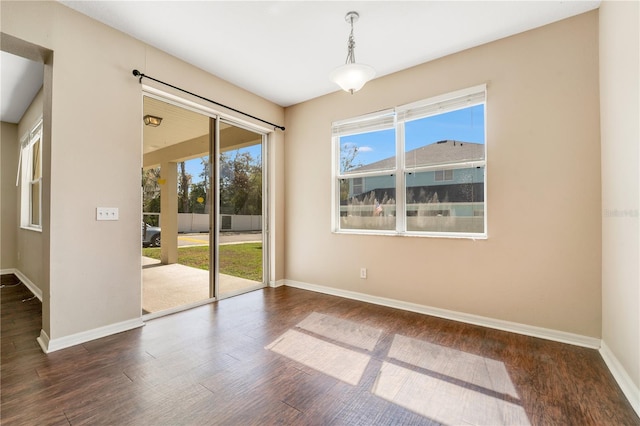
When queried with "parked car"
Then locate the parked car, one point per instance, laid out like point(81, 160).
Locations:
point(150, 235)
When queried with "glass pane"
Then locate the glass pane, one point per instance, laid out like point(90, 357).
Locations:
point(175, 220)
point(368, 203)
point(194, 188)
point(35, 203)
point(240, 248)
point(151, 199)
point(369, 151)
point(452, 137)
point(241, 181)
point(455, 205)
point(36, 170)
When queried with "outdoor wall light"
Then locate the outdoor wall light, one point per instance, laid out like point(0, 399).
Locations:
point(151, 120)
point(352, 76)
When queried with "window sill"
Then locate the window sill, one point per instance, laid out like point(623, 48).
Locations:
point(413, 234)
point(31, 228)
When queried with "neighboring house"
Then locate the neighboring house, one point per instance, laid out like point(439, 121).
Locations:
point(448, 184)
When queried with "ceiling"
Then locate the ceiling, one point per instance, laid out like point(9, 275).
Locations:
point(20, 81)
point(186, 127)
point(285, 50)
point(178, 125)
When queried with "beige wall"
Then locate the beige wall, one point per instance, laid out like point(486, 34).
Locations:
point(21, 248)
point(620, 132)
point(541, 263)
point(9, 151)
point(94, 267)
point(29, 242)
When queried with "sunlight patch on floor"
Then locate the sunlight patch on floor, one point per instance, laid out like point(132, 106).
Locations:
point(455, 387)
point(446, 385)
point(333, 360)
point(468, 368)
point(344, 331)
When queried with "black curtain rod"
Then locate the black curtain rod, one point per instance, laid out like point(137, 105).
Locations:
point(141, 76)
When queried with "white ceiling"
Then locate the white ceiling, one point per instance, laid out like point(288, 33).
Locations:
point(285, 50)
point(20, 81)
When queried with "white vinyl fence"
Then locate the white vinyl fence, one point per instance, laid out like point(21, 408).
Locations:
point(195, 222)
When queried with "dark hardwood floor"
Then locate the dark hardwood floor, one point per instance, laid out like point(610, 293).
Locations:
point(293, 357)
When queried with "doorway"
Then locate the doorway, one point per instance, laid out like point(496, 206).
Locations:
point(203, 199)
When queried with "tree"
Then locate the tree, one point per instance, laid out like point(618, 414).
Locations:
point(226, 174)
point(348, 154)
point(198, 198)
point(240, 183)
point(184, 181)
point(254, 203)
point(205, 175)
point(151, 194)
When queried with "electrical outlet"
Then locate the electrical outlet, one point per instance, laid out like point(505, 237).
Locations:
point(107, 213)
point(363, 273)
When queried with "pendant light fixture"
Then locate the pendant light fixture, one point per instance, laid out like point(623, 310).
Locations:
point(352, 76)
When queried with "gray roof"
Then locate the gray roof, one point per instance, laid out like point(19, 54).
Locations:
point(442, 152)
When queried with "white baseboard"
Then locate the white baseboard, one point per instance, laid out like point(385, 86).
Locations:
point(26, 281)
point(630, 390)
point(43, 341)
point(513, 327)
point(51, 345)
point(278, 283)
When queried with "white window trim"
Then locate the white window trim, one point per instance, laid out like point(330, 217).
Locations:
point(448, 102)
point(25, 164)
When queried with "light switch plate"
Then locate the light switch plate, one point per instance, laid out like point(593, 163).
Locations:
point(106, 213)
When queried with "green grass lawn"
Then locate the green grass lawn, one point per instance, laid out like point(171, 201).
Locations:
point(239, 260)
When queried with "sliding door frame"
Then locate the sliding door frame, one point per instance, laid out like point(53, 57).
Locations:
point(214, 205)
point(265, 234)
point(215, 118)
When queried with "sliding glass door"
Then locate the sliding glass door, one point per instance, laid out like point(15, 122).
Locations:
point(241, 206)
point(203, 208)
point(176, 208)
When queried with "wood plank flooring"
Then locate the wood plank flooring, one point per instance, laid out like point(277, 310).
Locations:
point(293, 357)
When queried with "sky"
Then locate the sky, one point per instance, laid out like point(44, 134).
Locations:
point(465, 125)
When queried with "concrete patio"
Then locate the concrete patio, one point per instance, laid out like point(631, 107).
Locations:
point(170, 286)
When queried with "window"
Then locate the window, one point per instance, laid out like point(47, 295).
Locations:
point(441, 175)
point(358, 185)
point(31, 179)
point(418, 169)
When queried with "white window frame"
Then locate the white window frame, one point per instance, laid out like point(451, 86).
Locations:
point(27, 184)
point(453, 101)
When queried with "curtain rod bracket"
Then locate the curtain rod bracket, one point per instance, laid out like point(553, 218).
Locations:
point(137, 73)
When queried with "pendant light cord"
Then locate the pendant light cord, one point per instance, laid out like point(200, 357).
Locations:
point(351, 45)
point(141, 76)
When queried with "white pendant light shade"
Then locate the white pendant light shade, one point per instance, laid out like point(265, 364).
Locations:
point(351, 77)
